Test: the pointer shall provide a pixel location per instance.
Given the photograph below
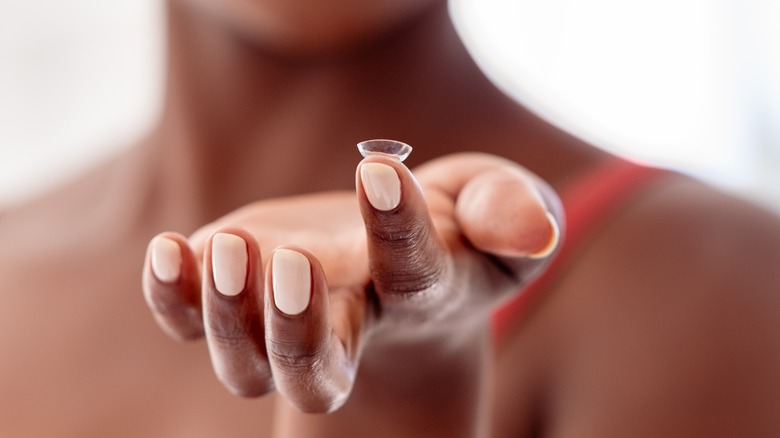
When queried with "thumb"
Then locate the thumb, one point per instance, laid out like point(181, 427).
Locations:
point(501, 211)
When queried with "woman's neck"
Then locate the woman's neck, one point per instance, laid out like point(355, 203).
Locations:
point(240, 123)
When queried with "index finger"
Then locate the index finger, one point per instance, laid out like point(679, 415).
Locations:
point(406, 254)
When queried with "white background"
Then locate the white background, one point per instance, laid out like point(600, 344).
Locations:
point(683, 83)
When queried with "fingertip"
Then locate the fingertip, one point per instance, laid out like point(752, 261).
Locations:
point(381, 185)
point(229, 263)
point(171, 286)
point(552, 243)
point(291, 281)
point(165, 259)
point(501, 212)
point(232, 262)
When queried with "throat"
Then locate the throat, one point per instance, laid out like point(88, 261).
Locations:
point(240, 124)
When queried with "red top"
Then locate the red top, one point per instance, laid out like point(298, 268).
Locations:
point(588, 201)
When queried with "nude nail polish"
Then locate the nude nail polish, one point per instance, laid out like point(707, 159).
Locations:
point(291, 281)
point(554, 239)
point(165, 257)
point(382, 185)
point(229, 263)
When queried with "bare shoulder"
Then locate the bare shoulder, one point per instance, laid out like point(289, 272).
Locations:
point(673, 322)
point(667, 324)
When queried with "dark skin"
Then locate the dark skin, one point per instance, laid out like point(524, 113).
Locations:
point(671, 332)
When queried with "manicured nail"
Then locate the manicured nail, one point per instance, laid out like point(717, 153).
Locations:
point(291, 281)
point(229, 263)
point(382, 185)
point(166, 259)
point(554, 239)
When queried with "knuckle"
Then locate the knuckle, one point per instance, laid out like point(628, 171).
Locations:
point(417, 276)
point(407, 259)
point(180, 322)
point(230, 340)
point(241, 368)
point(294, 358)
point(182, 313)
point(171, 306)
point(162, 304)
point(231, 335)
point(397, 230)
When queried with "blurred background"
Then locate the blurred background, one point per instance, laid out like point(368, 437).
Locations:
point(688, 84)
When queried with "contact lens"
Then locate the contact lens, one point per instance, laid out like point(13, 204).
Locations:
point(395, 149)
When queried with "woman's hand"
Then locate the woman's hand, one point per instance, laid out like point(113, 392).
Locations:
point(288, 292)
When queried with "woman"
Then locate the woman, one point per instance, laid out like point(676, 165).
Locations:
point(661, 324)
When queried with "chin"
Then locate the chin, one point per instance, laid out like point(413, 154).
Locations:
point(314, 27)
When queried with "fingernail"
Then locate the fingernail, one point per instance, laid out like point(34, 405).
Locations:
point(291, 281)
point(229, 263)
point(382, 185)
point(554, 239)
point(165, 259)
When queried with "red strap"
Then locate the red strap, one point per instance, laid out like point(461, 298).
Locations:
point(588, 201)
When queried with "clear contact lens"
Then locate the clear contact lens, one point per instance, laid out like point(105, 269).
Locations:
point(391, 148)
